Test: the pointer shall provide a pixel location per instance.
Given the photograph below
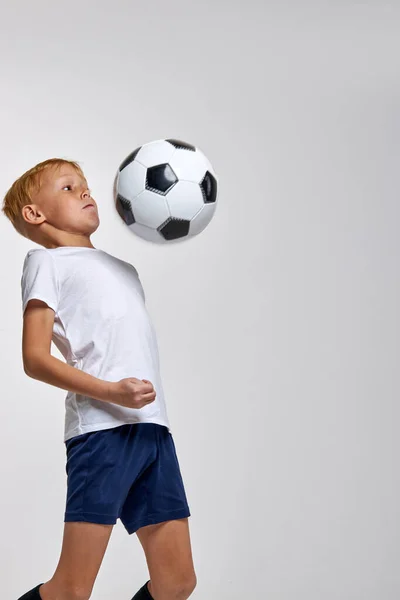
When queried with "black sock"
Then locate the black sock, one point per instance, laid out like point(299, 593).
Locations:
point(142, 594)
point(32, 594)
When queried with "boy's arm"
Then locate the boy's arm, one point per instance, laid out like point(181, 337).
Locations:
point(39, 362)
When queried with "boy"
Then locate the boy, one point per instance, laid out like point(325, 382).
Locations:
point(121, 459)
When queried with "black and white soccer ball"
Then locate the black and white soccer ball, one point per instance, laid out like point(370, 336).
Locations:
point(166, 191)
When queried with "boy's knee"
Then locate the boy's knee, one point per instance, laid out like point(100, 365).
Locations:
point(179, 589)
point(53, 591)
point(80, 594)
point(190, 584)
point(73, 593)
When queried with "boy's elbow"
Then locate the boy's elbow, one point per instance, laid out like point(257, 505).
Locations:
point(28, 369)
point(33, 364)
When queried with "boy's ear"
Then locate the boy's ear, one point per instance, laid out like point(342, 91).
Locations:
point(32, 214)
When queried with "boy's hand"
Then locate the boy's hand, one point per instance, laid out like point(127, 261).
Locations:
point(131, 392)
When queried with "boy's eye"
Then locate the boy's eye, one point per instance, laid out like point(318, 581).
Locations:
point(70, 186)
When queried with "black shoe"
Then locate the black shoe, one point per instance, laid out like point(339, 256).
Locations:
point(32, 594)
point(142, 594)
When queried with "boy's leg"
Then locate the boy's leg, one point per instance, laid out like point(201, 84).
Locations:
point(169, 559)
point(83, 548)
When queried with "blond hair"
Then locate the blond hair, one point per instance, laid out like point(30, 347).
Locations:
point(20, 193)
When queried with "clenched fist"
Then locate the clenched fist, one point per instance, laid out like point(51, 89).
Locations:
point(131, 392)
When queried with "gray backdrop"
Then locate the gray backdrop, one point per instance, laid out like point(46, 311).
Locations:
point(278, 326)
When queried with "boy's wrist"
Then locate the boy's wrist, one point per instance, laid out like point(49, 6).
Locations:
point(107, 391)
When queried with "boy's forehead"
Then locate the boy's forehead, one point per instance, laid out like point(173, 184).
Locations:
point(52, 175)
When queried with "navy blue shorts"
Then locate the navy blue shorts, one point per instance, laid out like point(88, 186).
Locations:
point(130, 472)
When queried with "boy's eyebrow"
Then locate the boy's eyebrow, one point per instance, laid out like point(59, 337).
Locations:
point(70, 176)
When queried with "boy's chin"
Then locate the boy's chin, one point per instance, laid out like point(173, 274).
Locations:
point(90, 230)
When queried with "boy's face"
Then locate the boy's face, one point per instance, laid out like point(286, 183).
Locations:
point(61, 202)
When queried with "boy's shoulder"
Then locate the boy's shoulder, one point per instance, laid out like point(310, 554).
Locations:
point(36, 250)
point(37, 255)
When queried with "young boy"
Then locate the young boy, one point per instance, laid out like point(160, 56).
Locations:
point(121, 459)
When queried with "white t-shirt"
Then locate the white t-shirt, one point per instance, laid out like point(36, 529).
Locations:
point(101, 326)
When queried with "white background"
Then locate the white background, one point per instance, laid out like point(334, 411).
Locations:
point(278, 326)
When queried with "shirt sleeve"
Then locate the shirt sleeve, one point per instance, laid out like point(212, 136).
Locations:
point(40, 279)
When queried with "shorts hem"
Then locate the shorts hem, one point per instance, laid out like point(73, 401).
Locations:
point(90, 518)
point(155, 518)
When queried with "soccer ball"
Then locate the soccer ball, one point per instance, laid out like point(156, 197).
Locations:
point(166, 191)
